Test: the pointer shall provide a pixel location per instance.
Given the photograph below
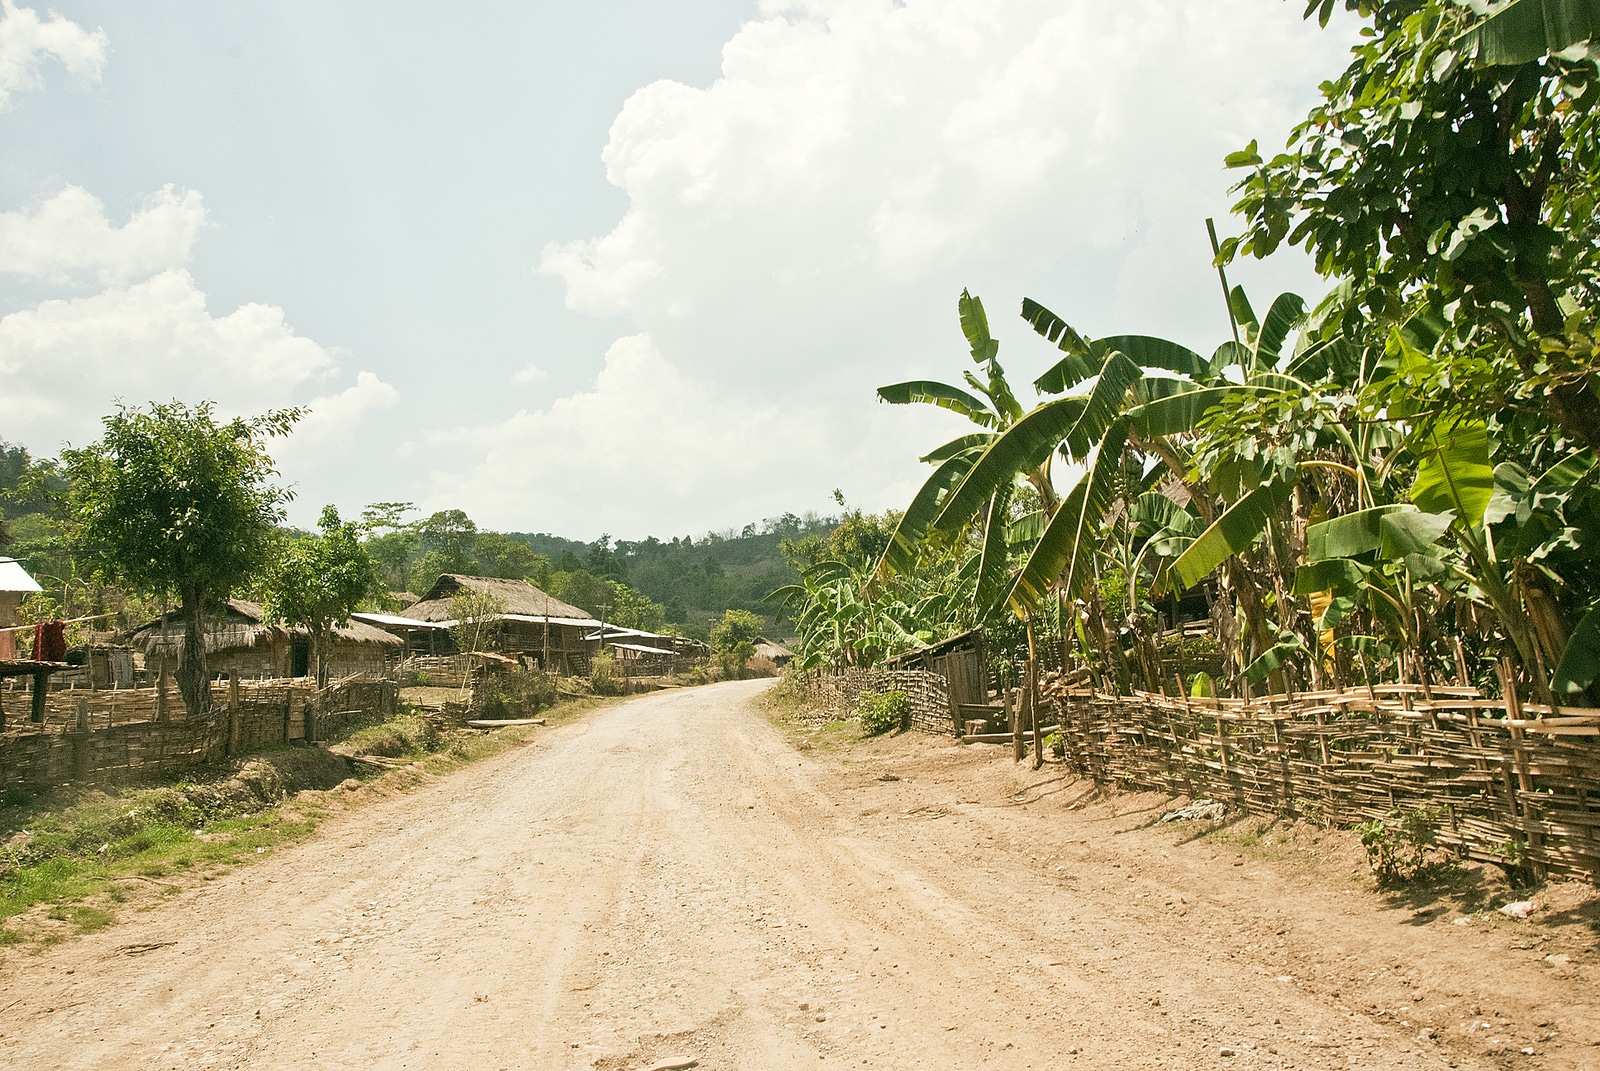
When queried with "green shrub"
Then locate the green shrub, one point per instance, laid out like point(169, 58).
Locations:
point(882, 712)
point(603, 675)
point(1056, 744)
point(409, 734)
point(1400, 845)
point(516, 695)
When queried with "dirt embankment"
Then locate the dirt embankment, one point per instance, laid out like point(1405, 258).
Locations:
point(671, 878)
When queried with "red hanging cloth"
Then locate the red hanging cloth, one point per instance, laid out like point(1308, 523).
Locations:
point(50, 641)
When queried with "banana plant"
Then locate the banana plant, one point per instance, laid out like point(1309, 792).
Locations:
point(994, 408)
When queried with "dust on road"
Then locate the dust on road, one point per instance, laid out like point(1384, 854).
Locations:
point(670, 879)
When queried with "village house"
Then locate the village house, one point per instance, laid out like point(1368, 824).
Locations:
point(241, 643)
point(764, 648)
point(15, 585)
point(533, 625)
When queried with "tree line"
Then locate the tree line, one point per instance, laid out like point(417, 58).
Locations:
point(176, 510)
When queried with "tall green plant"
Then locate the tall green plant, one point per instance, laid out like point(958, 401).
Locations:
point(174, 503)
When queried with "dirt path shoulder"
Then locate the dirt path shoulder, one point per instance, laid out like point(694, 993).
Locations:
point(670, 878)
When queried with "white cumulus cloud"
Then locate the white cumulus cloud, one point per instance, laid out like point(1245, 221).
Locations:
point(645, 446)
point(26, 40)
point(70, 233)
point(66, 361)
point(800, 228)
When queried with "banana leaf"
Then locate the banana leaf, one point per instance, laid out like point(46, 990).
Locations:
point(1527, 30)
point(1181, 412)
point(956, 446)
point(1023, 446)
point(943, 395)
point(1287, 313)
point(1066, 550)
point(1411, 532)
point(1271, 660)
point(900, 555)
point(1580, 663)
point(1155, 512)
point(975, 325)
point(1147, 351)
point(1351, 535)
point(1053, 327)
point(1454, 473)
point(1232, 533)
point(1338, 575)
point(1104, 406)
point(996, 551)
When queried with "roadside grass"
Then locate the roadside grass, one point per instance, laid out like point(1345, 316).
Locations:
point(70, 857)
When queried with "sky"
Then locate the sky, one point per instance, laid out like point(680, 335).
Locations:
point(619, 267)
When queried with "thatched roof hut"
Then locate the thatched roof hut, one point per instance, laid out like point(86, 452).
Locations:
point(240, 641)
point(765, 648)
point(521, 599)
point(533, 623)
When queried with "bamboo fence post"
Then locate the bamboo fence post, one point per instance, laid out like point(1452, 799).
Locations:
point(1462, 677)
point(233, 715)
point(1519, 754)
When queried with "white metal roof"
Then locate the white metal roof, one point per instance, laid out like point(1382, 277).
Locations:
point(570, 622)
point(640, 647)
point(619, 632)
point(396, 621)
point(14, 577)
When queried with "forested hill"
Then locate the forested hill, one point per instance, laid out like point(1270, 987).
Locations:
point(694, 579)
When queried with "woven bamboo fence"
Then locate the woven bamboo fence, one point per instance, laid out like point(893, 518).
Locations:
point(1508, 786)
point(118, 735)
point(928, 693)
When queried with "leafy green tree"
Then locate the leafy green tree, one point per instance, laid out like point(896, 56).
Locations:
point(317, 581)
point(393, 553)
point(176, 504)
point(1452, 170)
point(733, 639)
point(450, 535)
point(477, 613)
point(504, 556)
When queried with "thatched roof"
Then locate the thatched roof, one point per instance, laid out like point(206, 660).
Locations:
point(241, 624)
point(519, 596)
point(769, 649)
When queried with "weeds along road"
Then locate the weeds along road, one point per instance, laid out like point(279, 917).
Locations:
point(669, 879)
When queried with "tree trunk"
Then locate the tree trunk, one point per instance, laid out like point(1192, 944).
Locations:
point(319, 650)
point(194, 683)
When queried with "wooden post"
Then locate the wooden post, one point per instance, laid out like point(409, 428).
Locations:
point(41, 685)
point(82, 756)
point(1014, 716)
point(1033, 715)
point(161, 691)
point(233, 715)
point(1519, 755)
point(1462, 677)
point(1033, 700)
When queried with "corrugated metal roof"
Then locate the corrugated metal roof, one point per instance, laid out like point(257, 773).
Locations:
point(397, 621)
point(13, 577)
point(640, 648)
point(539, 619)
point(618, 631)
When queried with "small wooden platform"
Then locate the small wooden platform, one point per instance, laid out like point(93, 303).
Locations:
point(40, 672)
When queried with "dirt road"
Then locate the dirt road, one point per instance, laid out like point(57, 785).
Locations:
point(670, 879)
